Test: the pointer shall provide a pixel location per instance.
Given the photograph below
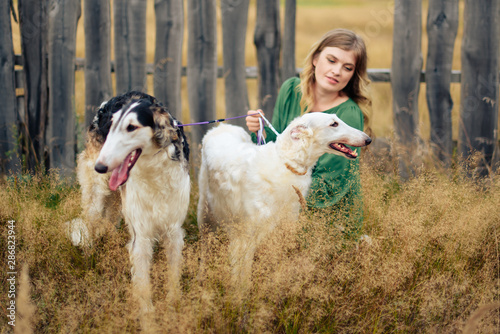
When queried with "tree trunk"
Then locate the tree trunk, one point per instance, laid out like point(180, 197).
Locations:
point(9, 123)
point(405, 80)
point(442, 26)
point(267, 42)
point(288, 67)
point(97, 26)
point(201, 66)
point(234, 28)
point(130, 45)
point(478, 131)
point(168, 54)
point(61, 134)
point(33, 21)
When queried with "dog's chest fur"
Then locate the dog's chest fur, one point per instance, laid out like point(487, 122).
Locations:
point(160, 187)
point(249, 181)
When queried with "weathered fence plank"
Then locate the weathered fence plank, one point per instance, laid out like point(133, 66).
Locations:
point(234, 28)
point(130, 45)
point(97, 24)
point(288, 54)
point(61, 134)
point(33, 22)
point(267, 42)
point(168, 53)
point(478, 129)
point(405, 81)
point(9, 124)
point(201, 65)
point(442, 26)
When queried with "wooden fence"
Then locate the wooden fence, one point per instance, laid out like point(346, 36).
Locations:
point(40, 125)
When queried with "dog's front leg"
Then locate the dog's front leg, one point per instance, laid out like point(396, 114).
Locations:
point(173, 246)
point(141, 252)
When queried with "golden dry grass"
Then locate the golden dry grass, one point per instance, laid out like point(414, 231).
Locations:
point(433, 260)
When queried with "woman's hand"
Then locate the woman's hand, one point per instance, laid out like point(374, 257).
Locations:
point(253, 124)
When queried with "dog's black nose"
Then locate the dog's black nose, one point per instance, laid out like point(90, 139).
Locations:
point(368, 141)
point(100, 168)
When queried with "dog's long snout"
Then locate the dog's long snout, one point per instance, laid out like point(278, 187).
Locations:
point(368, 141)
point(100, 168)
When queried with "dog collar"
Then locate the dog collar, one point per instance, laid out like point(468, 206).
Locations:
point(293, 170)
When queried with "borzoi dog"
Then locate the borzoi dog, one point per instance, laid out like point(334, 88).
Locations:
point(248, 189)
point(137, 147)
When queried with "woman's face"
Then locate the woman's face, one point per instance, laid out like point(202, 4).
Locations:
point(334, 68)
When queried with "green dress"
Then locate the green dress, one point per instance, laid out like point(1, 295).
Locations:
point(336, 185)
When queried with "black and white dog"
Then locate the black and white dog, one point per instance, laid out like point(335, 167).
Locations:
point(136, 147)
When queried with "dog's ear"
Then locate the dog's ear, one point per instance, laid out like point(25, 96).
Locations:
point(168, 135)
point(299, 131)
point(164, 131)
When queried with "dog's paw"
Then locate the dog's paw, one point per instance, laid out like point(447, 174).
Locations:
point(78, 232)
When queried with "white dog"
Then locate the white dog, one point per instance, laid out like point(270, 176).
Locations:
point(138, 148)
point(248, 189)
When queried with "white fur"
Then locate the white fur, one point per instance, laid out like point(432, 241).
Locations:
point(154, 199)
point(248, 190)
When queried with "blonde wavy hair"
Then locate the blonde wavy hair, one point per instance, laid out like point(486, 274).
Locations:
point(357, 88)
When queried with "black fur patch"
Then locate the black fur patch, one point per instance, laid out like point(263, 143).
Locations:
point(147, 106)
point(102, 120)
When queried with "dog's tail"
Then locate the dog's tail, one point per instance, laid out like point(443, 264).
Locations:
point(302, 200)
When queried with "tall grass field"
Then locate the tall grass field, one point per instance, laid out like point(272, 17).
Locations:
point(431, 263)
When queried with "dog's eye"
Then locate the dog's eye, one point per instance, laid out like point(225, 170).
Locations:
point(131, 128)
point(334, 124)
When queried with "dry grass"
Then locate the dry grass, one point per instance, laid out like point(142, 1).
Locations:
point(434, 260)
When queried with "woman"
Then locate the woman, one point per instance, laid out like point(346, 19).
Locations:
point(333, 80)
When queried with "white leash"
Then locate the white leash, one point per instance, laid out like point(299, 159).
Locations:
point(260, 138)
point(260, 134)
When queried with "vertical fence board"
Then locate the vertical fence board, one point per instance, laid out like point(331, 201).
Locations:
point(405, 81)
point(201, 65)
point(9, 124)
point(130, 45)
point(267, 42)
point(168, 53)
point(234, 28)
point(97, 26)
point(288, 54)
point(33, 22)
point(61, 134)
point(478, 130)
point(442, 26)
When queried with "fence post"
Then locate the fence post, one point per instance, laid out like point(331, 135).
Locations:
point(130, 45)
point(201, 66)
point(97, 26)
point(405, 81)
point(33, 21)
point(61, 134)
point(267, 42)
point(478, 130)
point(9, 123)
point(168, 54)
point(234, 28)
point(288, 69)
point(442, 26)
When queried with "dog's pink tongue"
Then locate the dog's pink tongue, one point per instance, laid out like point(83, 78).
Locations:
point(119, 175)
